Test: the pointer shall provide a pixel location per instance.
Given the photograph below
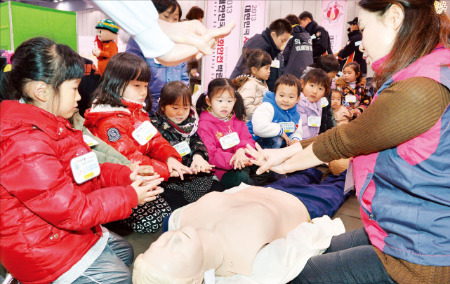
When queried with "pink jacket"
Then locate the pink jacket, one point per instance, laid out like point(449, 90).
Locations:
point(211, 129)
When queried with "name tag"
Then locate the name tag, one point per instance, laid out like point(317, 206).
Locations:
point(350, 98)
point(85, 167)
point(349, 179)
point(313, 37)
point(229, 140)
point(90, 141)
point(144, 133)
point(287, 126)
point(358, 43)
point(182, 148)
point(324, 102)
point(314, 121)
point(275, 63)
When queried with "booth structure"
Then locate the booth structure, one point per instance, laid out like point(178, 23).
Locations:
point(20, 22)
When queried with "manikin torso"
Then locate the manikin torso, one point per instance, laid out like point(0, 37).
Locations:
point(244, 222)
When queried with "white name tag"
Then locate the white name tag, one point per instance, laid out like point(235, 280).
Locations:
point(287, 126)
point(275, 63)
point(349, 179)
point(144, 132)
point(313, 37)
point(89, 140)
point(85, 167)
point(358, 43)
point(350, 99)
point(229, 140)
point(182, 148)
point(314, 121)
point(324, 102)
point(340, 73)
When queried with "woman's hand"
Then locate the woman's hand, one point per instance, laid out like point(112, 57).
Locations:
point(176, 168)
point(199, 165)
point(267, 159)
point(191, 38)
point(239, 159)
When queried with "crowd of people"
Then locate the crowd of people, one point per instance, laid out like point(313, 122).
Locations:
point(142, 151)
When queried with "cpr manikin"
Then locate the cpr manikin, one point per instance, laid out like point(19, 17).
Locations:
point(221, 231)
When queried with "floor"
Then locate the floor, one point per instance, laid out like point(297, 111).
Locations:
point(349, 214)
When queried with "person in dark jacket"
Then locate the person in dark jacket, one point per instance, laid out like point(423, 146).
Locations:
point(351, 52)
point(270, 40)
point(320, 39)
point(298, 53)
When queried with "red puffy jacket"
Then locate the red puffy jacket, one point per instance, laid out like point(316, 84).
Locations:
point(115, 126)
point(47, 221)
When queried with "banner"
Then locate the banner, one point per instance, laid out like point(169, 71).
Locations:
point(227, 51)
point(333, 20)
point(253, 19)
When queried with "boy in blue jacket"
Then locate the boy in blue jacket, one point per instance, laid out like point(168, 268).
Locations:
point(276, 122)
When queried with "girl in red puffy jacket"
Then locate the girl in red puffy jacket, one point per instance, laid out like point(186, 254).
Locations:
point(119, 117)
point(53, 193)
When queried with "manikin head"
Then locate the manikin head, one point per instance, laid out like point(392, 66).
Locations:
point(176, 257)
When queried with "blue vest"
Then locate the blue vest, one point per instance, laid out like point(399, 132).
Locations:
point(280, 115)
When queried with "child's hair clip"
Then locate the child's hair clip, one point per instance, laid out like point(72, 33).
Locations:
point(440, 6)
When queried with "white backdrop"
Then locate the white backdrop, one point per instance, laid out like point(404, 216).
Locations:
point(274, 9)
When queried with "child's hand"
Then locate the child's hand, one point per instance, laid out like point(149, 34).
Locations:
point(286, 138)
point(293, 141)
point(199, 165)
point(147, 190)
point(356, 112)
point(142, 170)
point(178, 168)
point(239, 159)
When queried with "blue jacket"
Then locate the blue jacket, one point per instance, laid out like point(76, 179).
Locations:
point(160, 74)
point(280, 115)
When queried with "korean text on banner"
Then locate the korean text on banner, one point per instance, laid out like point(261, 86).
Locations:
point(227, 51)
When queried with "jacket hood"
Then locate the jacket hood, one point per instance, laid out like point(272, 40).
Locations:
point(97, 112)
point(270, 98)
point(311, 27)
point(17, 117)
point(300, 33)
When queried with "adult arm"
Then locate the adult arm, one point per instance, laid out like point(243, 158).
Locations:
point(385, 124)
point(347, 50)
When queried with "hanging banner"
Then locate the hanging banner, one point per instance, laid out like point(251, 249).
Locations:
point(226, 53)
point(253, 19)
point(333, 20)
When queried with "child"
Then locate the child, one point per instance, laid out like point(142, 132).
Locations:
point(178, 124)
point(276, 122)
point(53, 193)
point(118, 118)
point(168, 11)
point(353, 85)
point(340, 112)
point(330, 65)
point(252, 85)
point(316, 84)
point(222, 129)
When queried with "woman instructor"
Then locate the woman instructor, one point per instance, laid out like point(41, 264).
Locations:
point(401, 150)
